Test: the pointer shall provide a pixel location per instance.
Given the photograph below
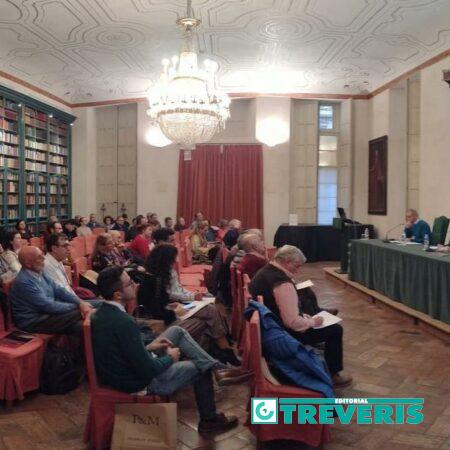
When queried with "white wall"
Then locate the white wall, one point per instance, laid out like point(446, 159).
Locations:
point(84, 162)
point(434, 197)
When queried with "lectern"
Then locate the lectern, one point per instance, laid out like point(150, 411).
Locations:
point(349, 229)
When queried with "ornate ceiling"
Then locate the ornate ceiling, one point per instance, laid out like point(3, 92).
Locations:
point(94, 50)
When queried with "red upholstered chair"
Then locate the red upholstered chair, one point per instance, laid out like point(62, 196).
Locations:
point(312, 435)
point(90, 243)
point(235, 307)
point(24, 242)
point(184, 234)
point(100, 419)
point(68, 274)
point(20, 366)
point(188, 267)
point(37, 242)
point(97, 231)
point(270, 251)
point(79, 266)
point(77, 247)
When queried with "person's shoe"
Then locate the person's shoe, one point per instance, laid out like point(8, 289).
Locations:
point(341, 381)
point(333, 311)
point(220, 424)
point(226, 355)
point(227, 377)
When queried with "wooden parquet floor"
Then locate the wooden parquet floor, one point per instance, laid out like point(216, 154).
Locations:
point(385, 353)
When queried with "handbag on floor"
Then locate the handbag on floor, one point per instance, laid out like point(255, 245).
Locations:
point(150, 426)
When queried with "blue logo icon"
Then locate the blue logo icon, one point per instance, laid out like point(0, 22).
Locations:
point(264, 411)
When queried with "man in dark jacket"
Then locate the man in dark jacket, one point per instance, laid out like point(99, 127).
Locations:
point(125, 364)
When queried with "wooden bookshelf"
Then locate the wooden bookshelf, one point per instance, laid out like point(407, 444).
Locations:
point(35, 156)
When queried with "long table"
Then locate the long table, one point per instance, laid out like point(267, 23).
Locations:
point(317, 242)
point(405, 273)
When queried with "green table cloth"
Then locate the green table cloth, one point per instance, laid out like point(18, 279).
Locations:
point(405, 273)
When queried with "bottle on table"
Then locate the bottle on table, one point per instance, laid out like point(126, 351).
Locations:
point(403, 238)
point(426, 242)
point(366, 234)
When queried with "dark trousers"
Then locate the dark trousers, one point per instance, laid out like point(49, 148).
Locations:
point(67, 323)
point(204, 396)
point(332, 337)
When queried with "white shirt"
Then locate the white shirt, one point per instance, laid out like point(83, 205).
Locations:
point(55, 270)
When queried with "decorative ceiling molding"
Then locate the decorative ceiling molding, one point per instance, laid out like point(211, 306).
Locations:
point(86, 51)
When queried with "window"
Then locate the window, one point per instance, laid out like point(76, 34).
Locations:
point(326, 117)
point(327, 185)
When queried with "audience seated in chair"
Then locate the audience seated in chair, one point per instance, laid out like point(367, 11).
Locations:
point(103, 254)
point(168, 223)
point(133, 230)
point(108, 223)
point(207, 326)
point(255, 254)
point(125, 364)
point(120, 225)
point(39, 305)
point(57, 246)
point(23, 229)
point(275, 283)
point(231, 237)
point(84, 230)
point(9, 259)
point(54, 227)
point(199, 244)
point(198, 219)
point(222, 229)
point(142, 243)
point(92, 223)
point(180, 225)
point(70, 229)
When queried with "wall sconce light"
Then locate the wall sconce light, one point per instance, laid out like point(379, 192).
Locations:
point(272, 131)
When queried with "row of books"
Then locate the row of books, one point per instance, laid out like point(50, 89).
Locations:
point(36, 133)
point(8, 126)
point(12, 163)
point(10, 138)
point(60, 170)
point(55, 159)
point(31, 177)
point(37, 114)
point(35, 122)
point(36, 166)
point(36, 155)
point(57, 140)
point(13, 199)
point(56, 129)
point(6, 149)
point(36, 145)
point(59, 150)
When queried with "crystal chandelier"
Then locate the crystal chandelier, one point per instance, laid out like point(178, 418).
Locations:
point(186, 103)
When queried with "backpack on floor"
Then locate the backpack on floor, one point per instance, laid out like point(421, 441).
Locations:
point(60, 372)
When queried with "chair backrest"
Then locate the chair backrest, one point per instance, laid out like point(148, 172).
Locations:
point(233, 284)
point(440, 228)
point(2, 321)
point(255, 352)
point(270, 251)
point(68, 270)
point(188, 252)
point(177, 238)
point(79, 266)
point(89, 354)
point(77, 247)
point(184, 234)
point(24, 242)
point(224, 252)
point(37, 242)
point(90, 243)
point(245, 293)
point(98, 230)
point(7, 320)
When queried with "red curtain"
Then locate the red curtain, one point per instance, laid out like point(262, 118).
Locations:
point(222, 182)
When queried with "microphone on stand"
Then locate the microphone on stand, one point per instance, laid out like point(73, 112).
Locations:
point(386, 240)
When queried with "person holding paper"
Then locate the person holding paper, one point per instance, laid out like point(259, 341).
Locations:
point(207, 326)
point(275, 283)
point(125, 364)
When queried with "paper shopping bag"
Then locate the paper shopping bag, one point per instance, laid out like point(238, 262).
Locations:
point(150, 426)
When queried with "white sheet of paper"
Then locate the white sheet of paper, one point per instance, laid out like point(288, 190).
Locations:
point(328, 319)
point(412, 243)
point(198, 306)
point(304, 285)
point(293, 219)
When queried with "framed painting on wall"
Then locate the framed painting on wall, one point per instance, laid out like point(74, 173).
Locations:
point(378, 159)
